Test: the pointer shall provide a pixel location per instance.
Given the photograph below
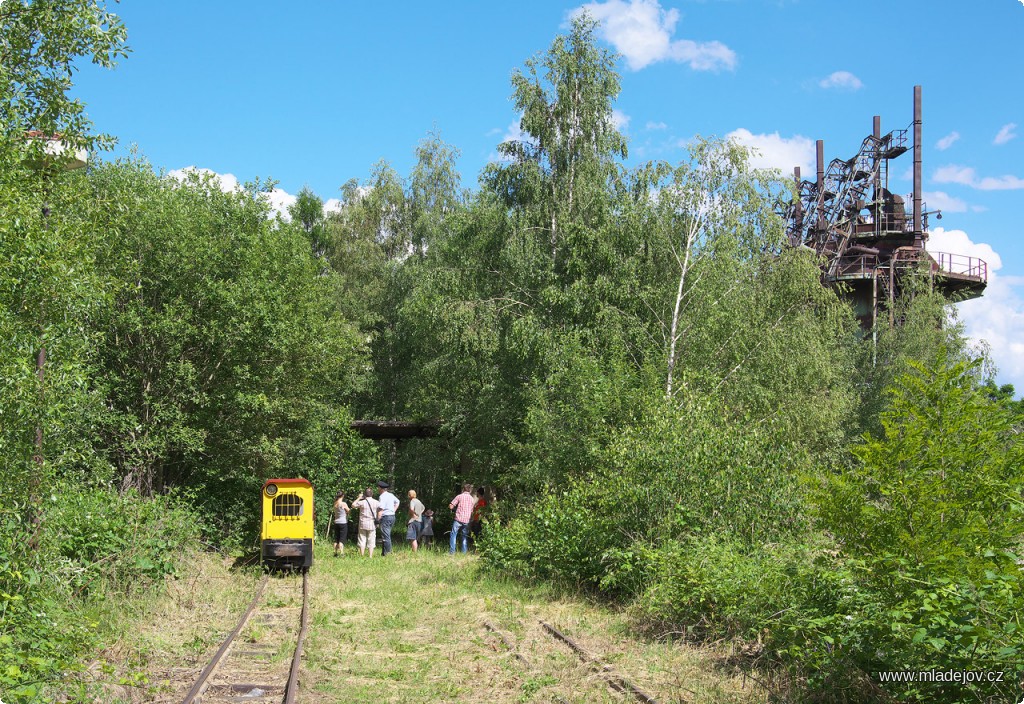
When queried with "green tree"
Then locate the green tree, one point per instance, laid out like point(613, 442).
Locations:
point(225, 344)
point(941, 483)
point(928, 524)
point(925, 329)
point(40, 41)
point(560, 170)
point(715, 205)
point(435, 193)
point(308, 212)
point(49, 288)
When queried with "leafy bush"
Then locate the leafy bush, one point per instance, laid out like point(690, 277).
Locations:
point(94, 547)
point(37, 639)
point(121, 539)
point(943, 481)
point(930, 518)
point(675, 474)
point(560, 537)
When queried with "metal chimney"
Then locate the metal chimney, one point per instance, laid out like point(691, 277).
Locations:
point(799, 215)
point(820, 148)
point(917, 160)
point(877, 132)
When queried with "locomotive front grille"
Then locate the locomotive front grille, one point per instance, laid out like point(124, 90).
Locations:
point(287, 506)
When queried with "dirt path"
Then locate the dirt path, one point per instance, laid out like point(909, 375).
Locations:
point(412, 628)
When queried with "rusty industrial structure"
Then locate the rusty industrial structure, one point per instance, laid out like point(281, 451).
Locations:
point(866, 238)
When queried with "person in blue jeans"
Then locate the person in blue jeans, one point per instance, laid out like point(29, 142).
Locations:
point(386, 513)
point(463, 506)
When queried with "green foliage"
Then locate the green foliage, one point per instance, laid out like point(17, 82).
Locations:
point(308, 212)
point(930, 514)
point(560, 170)
point(672, 474)
point(224, 352)
point(40, 40)
point(334, 458)
point(94, 548)
point(942, 484)
point(924, 328)
point(97, 535)
point(714, 586)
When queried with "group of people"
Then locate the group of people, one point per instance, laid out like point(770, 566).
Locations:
point(382, 512)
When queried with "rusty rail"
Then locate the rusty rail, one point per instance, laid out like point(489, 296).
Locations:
point(292, 688)
point(616, 682)
point(505, 641)
point(200, 683)
point(501, 636)
point(201, 687)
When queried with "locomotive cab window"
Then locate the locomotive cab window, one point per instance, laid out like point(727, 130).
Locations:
point(287, 505)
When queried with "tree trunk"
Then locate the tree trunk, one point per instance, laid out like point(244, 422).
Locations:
point(673, 340)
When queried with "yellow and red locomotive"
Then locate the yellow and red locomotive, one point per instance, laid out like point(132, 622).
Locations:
point(286, 531)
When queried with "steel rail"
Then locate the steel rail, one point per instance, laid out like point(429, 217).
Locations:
point(292, 689)
point(501, 636)
point(200, 683)
point(505, 641)
point(616, 682)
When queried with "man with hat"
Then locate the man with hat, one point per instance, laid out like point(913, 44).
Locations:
point(388, 504)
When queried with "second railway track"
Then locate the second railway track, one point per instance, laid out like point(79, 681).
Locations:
point(259, 660)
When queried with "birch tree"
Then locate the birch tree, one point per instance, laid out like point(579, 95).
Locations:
point(714, 205)
point(561, 165)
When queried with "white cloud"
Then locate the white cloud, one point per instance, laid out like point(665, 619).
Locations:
point(226, 182)
point(513, 133)
point(775, 151)
point(1002, 183)
point(653, 126)
point(1006, 133)
point(947, 141)
point(642, 32)
point(620, 120)
point(278, 199)
point(940, 200)
point(959, 243)
point(843, 80)
point(998, 316)
point(966, 176)
point(954, 174)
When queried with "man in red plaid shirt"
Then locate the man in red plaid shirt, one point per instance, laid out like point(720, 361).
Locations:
point(463, 506)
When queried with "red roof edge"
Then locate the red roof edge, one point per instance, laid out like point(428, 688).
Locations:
point(297, 480)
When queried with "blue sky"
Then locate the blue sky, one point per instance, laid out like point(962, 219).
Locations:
point(315, 93)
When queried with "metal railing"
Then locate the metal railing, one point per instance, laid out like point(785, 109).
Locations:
point(961, 265)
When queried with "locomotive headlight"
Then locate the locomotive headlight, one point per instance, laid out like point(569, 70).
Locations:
point(271, 489)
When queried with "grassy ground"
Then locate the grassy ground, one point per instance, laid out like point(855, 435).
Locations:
point(165, 639)
point(410, 628)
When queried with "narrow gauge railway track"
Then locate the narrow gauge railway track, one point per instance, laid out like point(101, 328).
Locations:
point(597, 665)
point(616, 682)
point(245, 671)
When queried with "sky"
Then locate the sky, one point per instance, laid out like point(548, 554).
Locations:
point(315, 93)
